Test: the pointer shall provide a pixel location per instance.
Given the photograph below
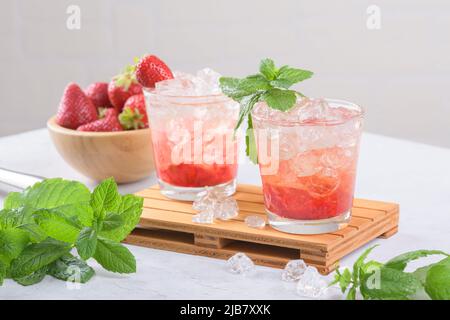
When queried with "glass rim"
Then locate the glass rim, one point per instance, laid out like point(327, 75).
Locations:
point(360, 114)
point(188, 100)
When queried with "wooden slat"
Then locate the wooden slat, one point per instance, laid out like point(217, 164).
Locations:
point(232, 229)
point(167, 224)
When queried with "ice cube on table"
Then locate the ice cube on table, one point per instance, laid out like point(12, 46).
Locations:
point(226, 209)
point(204, 217)
point(203, 201)
point(255, 222)
point(208, 198)
point(240, 263)
point(311, 284)
point(214, 199)
point(294, 270)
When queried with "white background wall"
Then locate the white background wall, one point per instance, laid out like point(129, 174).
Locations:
point(400, 73)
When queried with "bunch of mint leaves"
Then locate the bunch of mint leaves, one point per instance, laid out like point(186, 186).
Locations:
point(389, 281)
point(271, 85)
point(41, 226)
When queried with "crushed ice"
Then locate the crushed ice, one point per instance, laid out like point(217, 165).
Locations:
point(204, 82)
point(213, 203)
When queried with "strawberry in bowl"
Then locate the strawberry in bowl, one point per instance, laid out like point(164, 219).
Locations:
point(104, 130)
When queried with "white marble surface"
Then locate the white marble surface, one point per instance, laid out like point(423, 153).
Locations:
point(414, 175)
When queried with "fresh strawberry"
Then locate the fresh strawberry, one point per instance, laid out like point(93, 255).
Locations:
point(150, 70)
point(122, 87)
point(108, 123)
point(134, 115)
point(98, 93)
point(75, 109)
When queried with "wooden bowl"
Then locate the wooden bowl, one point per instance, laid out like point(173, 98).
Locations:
point(125, 155)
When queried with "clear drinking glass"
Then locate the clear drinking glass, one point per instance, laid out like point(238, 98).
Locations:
point(193, 142)
point(307, 160)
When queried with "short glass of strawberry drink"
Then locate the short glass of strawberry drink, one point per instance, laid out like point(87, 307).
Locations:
point(192, 126)
point(307, 158)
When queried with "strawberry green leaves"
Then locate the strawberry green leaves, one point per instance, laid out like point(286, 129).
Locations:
point(389, 281)
point(40, 226)
point(270, 85)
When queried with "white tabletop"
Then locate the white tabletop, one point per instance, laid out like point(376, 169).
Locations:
point(415, 175)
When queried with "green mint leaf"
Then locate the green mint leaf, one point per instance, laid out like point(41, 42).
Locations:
point(392, 284)
point(33, 278)
point(13, 200)
point(421, 273)
point(254, 83)
point(12, 243)
point(345, 280)
point(268, 69)
point(437, 281)
point(292, 76)
point(57, 225)
point(80, 212)
point(336, 279)
point(282, 100)
point(112, 221)
point(105, 198)
point(114, 257)
point(240, 89)
point(129, 210)
point(34, 232)
point(38, 255)
point(13, 218)
point(3, 271)
point(49, 194)
point(72, 269)
point(86, 243)
point(230, 87)
point(250, 141)
point(400, 262)
point(351, 295)
point(359, 263)
point(247, 104)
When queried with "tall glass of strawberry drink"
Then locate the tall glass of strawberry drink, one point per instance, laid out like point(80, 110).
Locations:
point(192, 132)
point(307, 158)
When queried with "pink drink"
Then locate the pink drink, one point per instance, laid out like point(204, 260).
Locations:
point(309, 177)
point(192, 134)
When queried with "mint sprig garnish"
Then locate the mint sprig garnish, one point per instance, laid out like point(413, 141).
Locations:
point(389, 281)
point(271, 85)
point(40, 227)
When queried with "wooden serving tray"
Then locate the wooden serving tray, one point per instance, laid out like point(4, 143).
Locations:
point(167, 224)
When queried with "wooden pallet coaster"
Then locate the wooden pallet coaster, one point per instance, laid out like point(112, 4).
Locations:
point(167, 224)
